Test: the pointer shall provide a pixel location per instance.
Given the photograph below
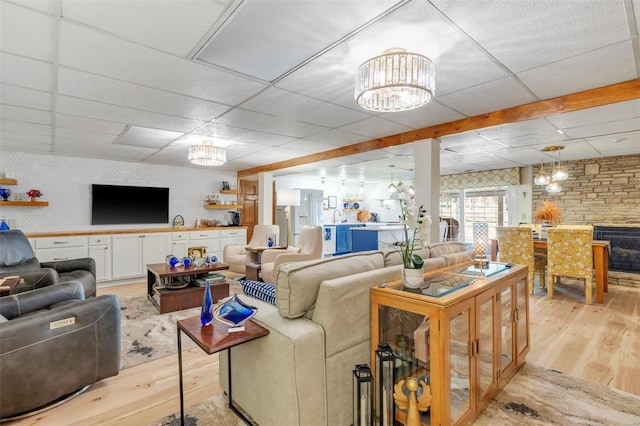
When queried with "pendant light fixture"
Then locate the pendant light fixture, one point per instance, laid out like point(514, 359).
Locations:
point(542, 178)
point(391, 187)
point(207, 154)
point(559, 172)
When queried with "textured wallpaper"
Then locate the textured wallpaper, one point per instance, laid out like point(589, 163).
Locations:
point(66, 185)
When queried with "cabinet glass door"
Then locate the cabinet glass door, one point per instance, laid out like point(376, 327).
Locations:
point(486, 342)
point(523, 318)
point(506, 323)
point(460, 363)
point(409, 336)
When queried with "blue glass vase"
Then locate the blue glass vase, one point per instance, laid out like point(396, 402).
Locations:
point(206, 314)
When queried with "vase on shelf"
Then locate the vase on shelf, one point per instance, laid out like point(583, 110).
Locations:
point(5, 193)
point(34, 199)
point(206, 314)
point(412, 278)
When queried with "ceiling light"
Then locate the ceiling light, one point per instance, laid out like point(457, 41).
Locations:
point(541, 178)
point(391, 187)
point(559, 172)
point(395, 81)
point(207, 155)
point(553, 187)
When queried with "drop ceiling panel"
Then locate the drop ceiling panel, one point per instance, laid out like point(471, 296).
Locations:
point(482, 98)
point(28, 98)
point(22, 146)
point(279, 35)
point(554, 30)
point(236, 135)
point(597, 68)
point(134, 63)
point(84, 135)
point(429, 115)
point(268, 123)
point(523, 156)
point(337, 137)
point(183, 22)
point(543, 138)
point(601, 114)
point(302, 108)
point(25, 32)
point(621, 126)
point(89, 124)
point(26, 72)
point(148, 138)
point(506, 132)
point(103, 89)
point(628, 144)
point(307, 146)
point(100, 111)
point(25, 137)
point(17, 126)
point(375, 127)
point(576, 150)
point(27, 115)
point(72, 148)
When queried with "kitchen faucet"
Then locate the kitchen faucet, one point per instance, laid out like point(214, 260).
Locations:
point(334, 215)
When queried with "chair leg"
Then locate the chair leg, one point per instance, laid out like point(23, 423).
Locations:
point(542, 278)
point(588, 290)
point(531, 281)
point(550, 285)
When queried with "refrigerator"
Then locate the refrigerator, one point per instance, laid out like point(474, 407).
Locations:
point(309, 212)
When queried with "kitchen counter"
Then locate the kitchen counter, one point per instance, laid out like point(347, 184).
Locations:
point(380, 237)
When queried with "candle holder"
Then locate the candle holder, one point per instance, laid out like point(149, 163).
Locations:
point(385, 379)
point(362, 390)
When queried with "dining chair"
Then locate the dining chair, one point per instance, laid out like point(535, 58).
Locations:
point(589, 227)
point(569, 255)
point(515, 245)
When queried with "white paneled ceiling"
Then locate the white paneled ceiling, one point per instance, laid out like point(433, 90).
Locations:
point(272, 80)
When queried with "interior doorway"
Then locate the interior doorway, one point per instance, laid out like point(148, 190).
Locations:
point(249, 205)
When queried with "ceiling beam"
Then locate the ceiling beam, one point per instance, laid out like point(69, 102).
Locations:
point(618, 92)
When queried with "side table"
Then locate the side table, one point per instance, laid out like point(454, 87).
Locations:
point(7, 284)
point(212, 339)
point(253, 271)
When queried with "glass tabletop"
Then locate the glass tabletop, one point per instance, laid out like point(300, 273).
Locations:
point(486, 270)
point(438, 285)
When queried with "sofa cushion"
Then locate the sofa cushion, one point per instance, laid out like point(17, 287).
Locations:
point(392, 257)
point(453, 258)
point(260, 290)
point(448, 247)
point(297, 283)
point(20, 251)
point(3, 319)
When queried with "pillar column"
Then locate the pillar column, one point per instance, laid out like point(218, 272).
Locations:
point(427, 181)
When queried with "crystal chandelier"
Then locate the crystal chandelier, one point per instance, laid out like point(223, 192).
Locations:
point(553, 187)
point(395, 81)
point(207, 154)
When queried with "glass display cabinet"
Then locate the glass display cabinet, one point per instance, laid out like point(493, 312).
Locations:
point(465, 332)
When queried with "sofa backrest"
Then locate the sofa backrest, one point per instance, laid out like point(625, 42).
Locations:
point(393, 257)
point(16, 249)
point(297, 283)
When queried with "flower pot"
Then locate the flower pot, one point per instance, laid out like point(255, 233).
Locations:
point(34, 199)
point(412, 278)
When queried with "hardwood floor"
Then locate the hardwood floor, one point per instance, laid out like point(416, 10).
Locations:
point(600, 343)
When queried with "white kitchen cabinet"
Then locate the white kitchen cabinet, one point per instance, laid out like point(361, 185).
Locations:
point(155, 248)
point(179, 244)
point(100, 251)
point(49, 249)
point(232, 236)
point(207, 238)
point(132, 253)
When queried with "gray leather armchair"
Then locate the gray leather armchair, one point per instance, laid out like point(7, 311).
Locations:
point(53, 344)
point(17, 258)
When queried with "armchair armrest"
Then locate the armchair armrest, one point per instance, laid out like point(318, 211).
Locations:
point(41, 298)
point(233, 250)
point(270, 255)
point(86, 264)
point(34, 278)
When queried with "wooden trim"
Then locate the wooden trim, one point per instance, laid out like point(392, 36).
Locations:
point(130, 231)
point(8, 181)
point(618, 92)
point(24, 203)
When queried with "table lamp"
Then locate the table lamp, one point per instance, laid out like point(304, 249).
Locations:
point(288, 198)
point(481, 241)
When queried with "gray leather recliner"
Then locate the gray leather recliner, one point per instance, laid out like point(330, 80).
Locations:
point(53, 343)
point(17, 258)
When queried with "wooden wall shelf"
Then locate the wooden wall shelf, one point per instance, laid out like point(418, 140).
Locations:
point(230, 191)
point(25, 203)
point(222, 207)
point(8, 182)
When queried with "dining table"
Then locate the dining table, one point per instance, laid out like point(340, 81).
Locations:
point(600, 249)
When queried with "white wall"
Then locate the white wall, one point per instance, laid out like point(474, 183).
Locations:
point(66, 184)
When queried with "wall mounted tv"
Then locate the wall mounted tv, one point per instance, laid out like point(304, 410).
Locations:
point(114, 204)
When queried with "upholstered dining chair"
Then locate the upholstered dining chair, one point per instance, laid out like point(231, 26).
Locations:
point(569, 255)
point(539, 254)
point(589, 227)
point(309, 247)
point(236, 255)
point(516, 246)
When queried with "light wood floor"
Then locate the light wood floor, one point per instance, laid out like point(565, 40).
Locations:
point(600, 343)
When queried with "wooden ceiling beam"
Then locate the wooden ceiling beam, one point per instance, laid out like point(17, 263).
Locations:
point(613, 93)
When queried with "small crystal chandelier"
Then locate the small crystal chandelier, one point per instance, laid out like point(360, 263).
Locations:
point(207, 154)
point(560, 172)
point(542, 178)
point(553, 187)
point(395, 81)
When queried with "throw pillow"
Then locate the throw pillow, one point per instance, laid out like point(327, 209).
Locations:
point(259, 290)
point(292, 249)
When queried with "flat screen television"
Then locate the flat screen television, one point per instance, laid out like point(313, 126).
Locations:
point(115, 204)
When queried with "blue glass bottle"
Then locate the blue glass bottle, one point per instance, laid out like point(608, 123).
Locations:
point(206, 315)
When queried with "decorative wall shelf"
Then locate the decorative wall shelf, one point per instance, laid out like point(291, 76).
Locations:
point(25, 203)
point(8, 182)
point(230, 191)
point(222, 207)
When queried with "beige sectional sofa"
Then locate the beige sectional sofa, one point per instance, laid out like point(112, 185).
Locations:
point(301, 373)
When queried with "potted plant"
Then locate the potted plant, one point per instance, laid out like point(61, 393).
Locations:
point(34, 194)
point(549, 212)
point(416, 223)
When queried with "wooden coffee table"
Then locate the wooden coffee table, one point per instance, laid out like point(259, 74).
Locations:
point(212, 339)
point(7, 284)
point(171, 300)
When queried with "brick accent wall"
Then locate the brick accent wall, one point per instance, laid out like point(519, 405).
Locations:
point(603, 191)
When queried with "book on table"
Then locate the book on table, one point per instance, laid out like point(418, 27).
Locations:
point(214, 278)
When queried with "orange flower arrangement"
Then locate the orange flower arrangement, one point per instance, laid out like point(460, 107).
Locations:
point(548, 211)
